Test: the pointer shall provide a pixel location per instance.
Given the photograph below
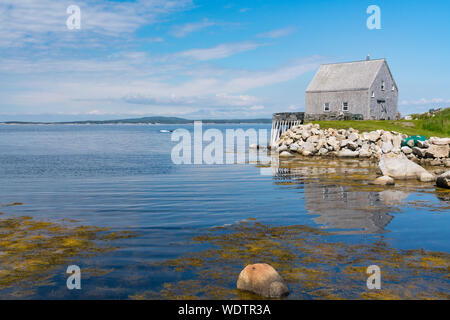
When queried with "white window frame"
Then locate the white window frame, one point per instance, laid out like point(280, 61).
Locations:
point(343, 106)
point(393, 88)
point(383, 85)
point(373, 94)
point(325, 107)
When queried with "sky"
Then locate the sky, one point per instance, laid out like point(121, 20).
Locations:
point(208, 59)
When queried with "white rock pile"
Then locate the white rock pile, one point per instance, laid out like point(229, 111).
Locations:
point(310, 140)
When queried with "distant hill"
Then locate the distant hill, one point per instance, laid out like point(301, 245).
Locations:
point(148, 120)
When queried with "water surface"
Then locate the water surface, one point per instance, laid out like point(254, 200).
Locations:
point(121, 177)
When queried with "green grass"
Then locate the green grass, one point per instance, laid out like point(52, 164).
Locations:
point(438, 126)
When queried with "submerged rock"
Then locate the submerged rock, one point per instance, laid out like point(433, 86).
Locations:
point(426, 177)
point(262, 279)
point(443, 181)
point(384, 181)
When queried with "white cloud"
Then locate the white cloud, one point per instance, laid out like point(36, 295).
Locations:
point(119, 89)
point(219, 51)
point(266, 78)
point(30, 22)
point(424, 101)
point(183, 30)
point(118, 78)
point(278, 33)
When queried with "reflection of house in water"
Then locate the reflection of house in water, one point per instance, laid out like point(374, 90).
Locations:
point(339, 206)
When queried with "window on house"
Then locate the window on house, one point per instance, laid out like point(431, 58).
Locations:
point(326, 107)
point(382, 85)
point(393, 88)
point(373, 94)
point(345, 106)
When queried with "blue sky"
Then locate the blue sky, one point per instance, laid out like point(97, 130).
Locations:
point(208, 59)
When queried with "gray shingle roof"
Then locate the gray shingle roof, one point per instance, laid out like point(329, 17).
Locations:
point(357, 75)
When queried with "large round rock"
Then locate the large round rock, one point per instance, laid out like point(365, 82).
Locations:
point(262, 279)
point(443, 181)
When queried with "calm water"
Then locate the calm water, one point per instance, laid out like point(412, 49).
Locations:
point(122, 177)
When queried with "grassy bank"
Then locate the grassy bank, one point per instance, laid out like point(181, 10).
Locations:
point(425, 125)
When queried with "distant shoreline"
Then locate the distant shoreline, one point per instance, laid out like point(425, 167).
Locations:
point(146, 120)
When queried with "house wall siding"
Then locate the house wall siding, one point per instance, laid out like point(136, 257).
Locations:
point(357, 102)
point(390, 97)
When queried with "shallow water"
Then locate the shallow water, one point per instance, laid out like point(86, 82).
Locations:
point(122, 177)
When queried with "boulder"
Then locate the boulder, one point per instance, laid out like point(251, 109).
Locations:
point(419, 152)
point(313, 139)
point(436, 162)
point(437, 151)
point(344, 143)
point(446, 163)
point(322, 143)
point(374, 136)
point(334, 143)
point(262, 279)
point(315, 131)
point(352, 145)
point(386, 137)
point(323, 151)
point(427, 177)
point(423, 144)
point(443, 181)
point(282, 148)
point(305, 134)
point(440, 141)
point(285, 154)
point(346, 153)
point(353, 136)
point(406, 150)
point(384, 181)
point(294, 147)
point(308, 146)
point(397, 141)
point(364, 153)
point(386, 147)
point(400, 167)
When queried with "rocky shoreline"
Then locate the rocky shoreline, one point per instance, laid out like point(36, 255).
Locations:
point(310, 140)
point(398, 158)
